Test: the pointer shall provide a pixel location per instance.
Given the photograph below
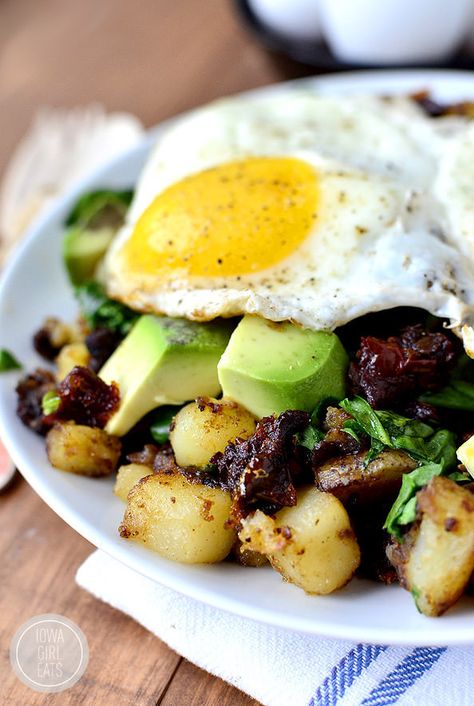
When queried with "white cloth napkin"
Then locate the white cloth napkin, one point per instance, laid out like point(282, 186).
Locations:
point(279, 667)
point(61, 146)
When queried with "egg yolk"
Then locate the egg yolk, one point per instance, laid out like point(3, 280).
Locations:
point(234, 219)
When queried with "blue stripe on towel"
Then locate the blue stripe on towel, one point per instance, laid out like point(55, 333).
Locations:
point(405, 674)
point(343, 674)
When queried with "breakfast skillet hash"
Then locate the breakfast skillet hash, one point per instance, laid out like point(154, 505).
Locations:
point(273, 346)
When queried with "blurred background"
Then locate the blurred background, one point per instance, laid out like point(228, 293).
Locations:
point(152, 58)
point(155, 58)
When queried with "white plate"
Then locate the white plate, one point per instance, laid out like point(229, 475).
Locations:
point(35, 286)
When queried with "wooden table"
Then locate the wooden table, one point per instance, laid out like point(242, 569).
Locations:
point(153, 58)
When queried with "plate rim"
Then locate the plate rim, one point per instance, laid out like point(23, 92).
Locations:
point(44, 489)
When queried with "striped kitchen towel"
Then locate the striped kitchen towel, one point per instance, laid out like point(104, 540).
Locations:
point(279, 667)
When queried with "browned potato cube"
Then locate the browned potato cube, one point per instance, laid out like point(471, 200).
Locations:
point(128, 476)
point(87, 451)
point(179, 520)
point(436, 559)
point(348, 478)
point(311, 544)
point(202, 428)
point(69, 356)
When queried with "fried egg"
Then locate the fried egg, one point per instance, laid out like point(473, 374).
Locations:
point(305, 208)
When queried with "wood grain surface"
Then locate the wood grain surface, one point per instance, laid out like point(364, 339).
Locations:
point(153, 58)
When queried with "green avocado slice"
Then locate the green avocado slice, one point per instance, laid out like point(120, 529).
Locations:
point(83, 250)
point(164, 361)
point(270, 367)
point(92, 225)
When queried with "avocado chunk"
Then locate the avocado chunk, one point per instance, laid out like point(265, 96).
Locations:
point(82, 251)
point(163, 361)
point(92, 225)
point(270, 367)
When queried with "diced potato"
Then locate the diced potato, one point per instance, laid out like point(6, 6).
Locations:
point(69, 356)
point(311, 545)
point(84, 450)
point(436, 559)
point(128, 476)
point(206, 426)
point(349, 479)
point(179, 520)
point(465, 454)
point(60, 333)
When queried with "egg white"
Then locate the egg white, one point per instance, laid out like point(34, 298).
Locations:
point(399, 237)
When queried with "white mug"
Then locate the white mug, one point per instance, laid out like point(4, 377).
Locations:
point(394, 31)
point(294, 19)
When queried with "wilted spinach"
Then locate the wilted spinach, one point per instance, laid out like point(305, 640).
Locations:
point(101, 312)
point(435, 450)
point(8, 361)
point(161, 422)
point(97, 208)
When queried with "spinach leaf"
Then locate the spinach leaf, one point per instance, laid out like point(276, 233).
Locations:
point(441, 448)
point(8, 361)
point(403, 510)
point(396, 425)
point(366, 418)
point(353, 428)
point(415, 592)
point(437, 455)
point(393, 430)
point(92, 225)
point(435, 450)
point(161, 422)
point(460, 477)
point(459, 392)
point(376, 447)
point(99, 208)
point(101, 312)
point(309, 437)
point(319, 412)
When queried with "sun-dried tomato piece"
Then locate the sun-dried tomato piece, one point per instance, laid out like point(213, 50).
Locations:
point(85, 399)
point(101, 343)
point(422, 347)
point(423, 411)
point(51, 337)
point(388, 372)
point(30, 391)
point(260, 471)
point(43, 345)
